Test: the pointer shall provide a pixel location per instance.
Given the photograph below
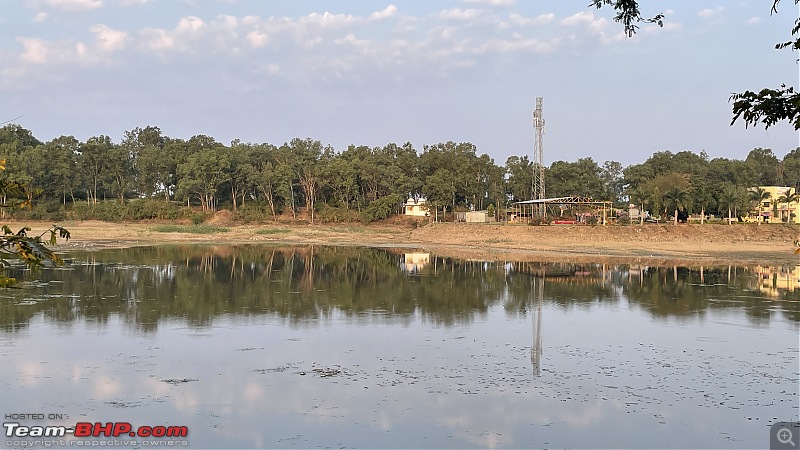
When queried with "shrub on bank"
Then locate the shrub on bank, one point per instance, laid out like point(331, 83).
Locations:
point(253, 212)
point(331, 214)
point(381, 208)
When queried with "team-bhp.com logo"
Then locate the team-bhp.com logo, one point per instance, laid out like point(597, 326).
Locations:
point(97, 429)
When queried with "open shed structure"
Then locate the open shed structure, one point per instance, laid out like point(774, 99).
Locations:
point(525, 212)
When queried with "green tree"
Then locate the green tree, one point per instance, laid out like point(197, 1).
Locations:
point(612, 176)
point(758, 196)
point(28, 170)
point(440, 190)
point(638, 196)
point(701, 195)
point(93, 163)
point(670, 191)
point(729, 198)
point(789, 196)
point(31, 250)
point(766, 167)
point(520, 178)
point(204, 171)
point(791, 168)
point(583, 177)
point(677, 199)
point(304, 156)
point(62, 156)
point(155, 162)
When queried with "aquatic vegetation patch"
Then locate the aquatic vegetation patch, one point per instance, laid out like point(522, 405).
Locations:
point(193, 229)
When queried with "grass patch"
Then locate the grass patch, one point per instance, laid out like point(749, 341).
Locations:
point(495, 240)
point(273, 231)
point(348, 229)
point(193, 229)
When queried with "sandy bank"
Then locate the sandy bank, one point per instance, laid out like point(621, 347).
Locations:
point(684, 244)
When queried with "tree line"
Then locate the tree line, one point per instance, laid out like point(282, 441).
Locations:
point(305, 178)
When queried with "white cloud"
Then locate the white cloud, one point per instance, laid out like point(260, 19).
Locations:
point(39, 52)
point(40, 17)
point(133, 2)
point(518, 45)
point(328, 20)
point(539, 20)
point(108, 39)
point(351, 40)
point(74, 5)
point(668, 26)
point(190, 24)
point(34, 50)
point(180, 38)
point(753, 20)
point(707, 12)
point(305, 47)
point(459, 14)
point(493, 2)
point(406, 24)
point(582, 17)
point(257, 39)
point(586, 19)
point(389, 11)
point(272, 69)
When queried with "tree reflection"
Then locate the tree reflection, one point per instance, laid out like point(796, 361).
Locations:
point(306, 284)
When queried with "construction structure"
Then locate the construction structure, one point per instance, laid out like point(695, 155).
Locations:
point(537, 180)
point(527, 211)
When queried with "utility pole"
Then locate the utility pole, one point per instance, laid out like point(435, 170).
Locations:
point(538, 190)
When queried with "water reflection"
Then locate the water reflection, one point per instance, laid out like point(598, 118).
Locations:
point(536, 318)
point(320, 347)
point(200, 284)
point(415, 262)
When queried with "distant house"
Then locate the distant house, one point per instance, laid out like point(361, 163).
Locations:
point(772, 210)
point(416, 207)
point(476, 217)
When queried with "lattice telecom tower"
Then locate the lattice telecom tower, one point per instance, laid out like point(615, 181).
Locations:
point(538, 191)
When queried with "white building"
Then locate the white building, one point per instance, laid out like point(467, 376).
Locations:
point(416, 207)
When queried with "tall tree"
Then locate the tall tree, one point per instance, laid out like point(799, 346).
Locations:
point(766, 166)
point(204, 171)
point(789, 196)
point(758, 196)
point(94, 163)
point(791, 168)
point(304, 157)
point(520, 178)
point(729, 198)
point(62, 156)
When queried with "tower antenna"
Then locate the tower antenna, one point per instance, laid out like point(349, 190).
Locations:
point(538, 191)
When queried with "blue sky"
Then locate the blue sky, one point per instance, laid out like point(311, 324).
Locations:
point(372, 72)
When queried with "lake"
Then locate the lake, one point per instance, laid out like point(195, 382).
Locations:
point(309, 346)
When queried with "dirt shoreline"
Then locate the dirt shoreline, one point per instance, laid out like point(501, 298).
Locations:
point(646, 244)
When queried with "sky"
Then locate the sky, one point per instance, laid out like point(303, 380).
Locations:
point(375, 72)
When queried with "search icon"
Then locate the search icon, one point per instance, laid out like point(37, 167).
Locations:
point(785, 436)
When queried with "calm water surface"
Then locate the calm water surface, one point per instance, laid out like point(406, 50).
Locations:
point(299, 347)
